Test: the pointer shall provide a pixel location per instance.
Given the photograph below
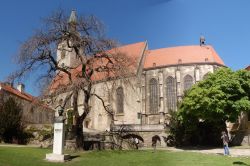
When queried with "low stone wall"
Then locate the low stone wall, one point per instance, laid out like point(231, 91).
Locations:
point(147, 136)
point(42, 134)
point(146, 132)
point(139, 127)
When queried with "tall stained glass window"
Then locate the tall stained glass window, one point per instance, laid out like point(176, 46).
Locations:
point(153, 89)
point(119, 100)
point(171, 93)
point(188, 82)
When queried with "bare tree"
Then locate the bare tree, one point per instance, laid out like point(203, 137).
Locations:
point(96, 60)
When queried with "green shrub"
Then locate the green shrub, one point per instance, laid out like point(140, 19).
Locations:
point(194, 132)
point(11, 127)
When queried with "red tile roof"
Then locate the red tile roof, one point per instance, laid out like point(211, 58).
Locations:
point(16, 92)
point(23, 95)
point(132, 51)
point(183, 55)
point(154, 58)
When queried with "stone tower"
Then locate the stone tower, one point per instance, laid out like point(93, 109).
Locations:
point(66, 57)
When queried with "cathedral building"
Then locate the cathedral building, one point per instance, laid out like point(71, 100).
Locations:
point(159, 81)
point(161, 78)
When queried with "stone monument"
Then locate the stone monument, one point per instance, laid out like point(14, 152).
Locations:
point(58, 143)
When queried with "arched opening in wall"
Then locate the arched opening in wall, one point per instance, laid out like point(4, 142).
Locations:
point(156, 140)
point(154, 96)
point(119, 100)
point(188, 82)
point(171, 93)
point(135, 140)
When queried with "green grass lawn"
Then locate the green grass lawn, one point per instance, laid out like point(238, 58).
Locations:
point(25, 156)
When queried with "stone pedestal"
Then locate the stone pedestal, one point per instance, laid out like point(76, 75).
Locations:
point(58, 144)
point(57, 157)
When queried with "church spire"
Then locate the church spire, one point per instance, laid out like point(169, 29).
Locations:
point(72, 20)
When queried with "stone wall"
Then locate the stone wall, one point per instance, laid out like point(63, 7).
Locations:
point(136, 96)
point(33, 112)
point(146, 132)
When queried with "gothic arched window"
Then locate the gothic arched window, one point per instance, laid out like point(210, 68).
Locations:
point(188, 82)
point(171, 93)
point(119, 100)
point(153, 90)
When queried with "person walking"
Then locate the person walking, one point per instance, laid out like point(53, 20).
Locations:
point(225, 140)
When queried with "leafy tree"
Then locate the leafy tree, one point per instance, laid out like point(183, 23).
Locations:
point(221, 97)
point(10, 120)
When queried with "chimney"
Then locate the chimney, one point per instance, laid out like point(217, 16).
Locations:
point(8, 83)
point(202, 40)
point(20, 87)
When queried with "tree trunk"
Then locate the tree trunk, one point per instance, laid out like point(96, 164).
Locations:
point(78, 132)
point(78, 126)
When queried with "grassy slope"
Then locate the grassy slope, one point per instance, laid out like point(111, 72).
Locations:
point(11, 156)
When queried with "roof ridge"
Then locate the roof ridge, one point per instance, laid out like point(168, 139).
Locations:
point(181, 46)
point(188, 54)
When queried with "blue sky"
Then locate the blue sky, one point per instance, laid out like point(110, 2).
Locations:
point(163, 23)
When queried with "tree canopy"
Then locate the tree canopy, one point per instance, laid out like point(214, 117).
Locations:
point(81, 37)
point(222, 96)
point(205, 108)
point(10, 120)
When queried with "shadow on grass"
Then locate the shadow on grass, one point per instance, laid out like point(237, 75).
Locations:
point(73, 157)
point(240, 163)
point(197, 147)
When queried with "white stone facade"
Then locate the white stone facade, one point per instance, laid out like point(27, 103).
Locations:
point(137, 94)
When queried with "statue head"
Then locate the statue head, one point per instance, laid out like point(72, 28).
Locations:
point(60, 110)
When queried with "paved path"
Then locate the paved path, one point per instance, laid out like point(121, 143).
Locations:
point(16, 145)
point(234, 152)
point(219, 151)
